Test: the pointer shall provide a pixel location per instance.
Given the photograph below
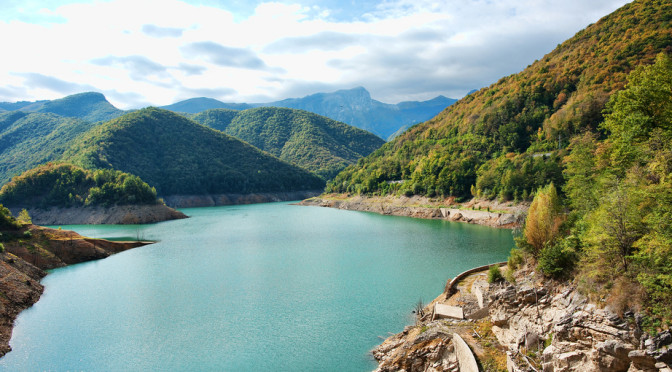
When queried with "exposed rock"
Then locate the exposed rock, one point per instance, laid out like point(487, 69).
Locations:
point(121, 214)
point(507, 215)
point(557, 324)
point(193, 201)
point(30, 251)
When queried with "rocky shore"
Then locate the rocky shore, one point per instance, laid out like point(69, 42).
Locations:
point(482, 212)
point(31, 250)
point(120, 214)
point(531, 325)
point(193, 201)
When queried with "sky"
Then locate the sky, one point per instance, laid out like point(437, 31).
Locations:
point(157, 52)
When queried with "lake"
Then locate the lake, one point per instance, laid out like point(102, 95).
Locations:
point(265, 287)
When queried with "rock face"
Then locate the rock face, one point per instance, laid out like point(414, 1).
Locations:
point(486, 213)
point(582, 337)
point(33, 249)
point(124, 214)
point(535, 325)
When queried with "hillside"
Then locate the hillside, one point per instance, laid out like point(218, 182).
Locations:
point(88, 106)
point(179, 156)
point(66, 185)
point(30, 139)
point(312, 142)
point(27, 251)
point(501, 141)
point(351, 106)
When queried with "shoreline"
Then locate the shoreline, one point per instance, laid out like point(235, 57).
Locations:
point(213, 200)
point(24, 261)
point(115, 215)
point(482, 212)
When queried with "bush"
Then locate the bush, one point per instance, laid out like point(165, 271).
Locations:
point(494, 274)
point(516, 258)
point(556, 260)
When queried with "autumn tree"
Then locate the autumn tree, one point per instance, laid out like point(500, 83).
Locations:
point(543, 219)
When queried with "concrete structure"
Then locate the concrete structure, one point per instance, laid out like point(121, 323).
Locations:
point(447, 311)
point(465, 357)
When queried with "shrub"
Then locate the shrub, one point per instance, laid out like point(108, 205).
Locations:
point(494, 274)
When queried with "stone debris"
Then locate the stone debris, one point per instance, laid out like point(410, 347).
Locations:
point(545, 326)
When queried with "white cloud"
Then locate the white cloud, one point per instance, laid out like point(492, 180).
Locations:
point(158, 51)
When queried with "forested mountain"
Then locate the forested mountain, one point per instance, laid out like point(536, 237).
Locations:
point(13, 106)
point(313, 142)
point(89, 106)
point(65, 185)
point(504, 140)
point(30, 139)
point(179, 156)
point(196, 105)
point(352, 106)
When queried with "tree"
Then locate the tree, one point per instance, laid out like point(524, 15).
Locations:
point(24, 217)
point(543, 218)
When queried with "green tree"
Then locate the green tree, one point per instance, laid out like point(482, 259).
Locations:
point(24, 217)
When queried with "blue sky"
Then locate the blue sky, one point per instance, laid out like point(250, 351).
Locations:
point(156, 52)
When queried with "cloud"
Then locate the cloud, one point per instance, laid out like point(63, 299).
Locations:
point(189, 69)
point(40, 81)
point(8, 93)
point(223, 56)
point(327, 40)
point(156, 31)
point(397, 49)
point(139, 65)
point(216, 93)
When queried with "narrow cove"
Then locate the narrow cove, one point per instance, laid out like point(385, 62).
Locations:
point(257, 287)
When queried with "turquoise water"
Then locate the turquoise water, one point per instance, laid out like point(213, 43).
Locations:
point(266, 287)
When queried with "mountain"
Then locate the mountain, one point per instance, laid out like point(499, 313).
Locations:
point(313, 142)
point(178, 156)
point(65, 185)
point(13, 106)
point(89, 106)
point(196, 105)
point(353, 106)
point(30, 139)
point(357, 108)
point(503, 140)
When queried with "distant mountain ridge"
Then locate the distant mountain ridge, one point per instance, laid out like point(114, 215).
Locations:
point(89, 106)
point(351, 106)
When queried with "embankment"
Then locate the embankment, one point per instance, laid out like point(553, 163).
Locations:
point(482, 212)
point(31, 250)
point(532, 324)
point(121, 214)
point(192, 201)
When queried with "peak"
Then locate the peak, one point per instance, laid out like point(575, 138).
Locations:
point(87, 95)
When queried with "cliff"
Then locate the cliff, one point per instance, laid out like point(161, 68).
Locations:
point(120, 214)
point(532, 325)
point(481, 212)
point(25, 256)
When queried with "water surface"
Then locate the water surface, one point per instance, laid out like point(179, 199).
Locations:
point(246, 288)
